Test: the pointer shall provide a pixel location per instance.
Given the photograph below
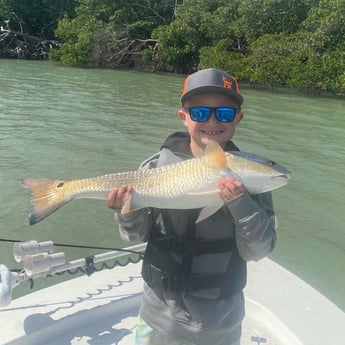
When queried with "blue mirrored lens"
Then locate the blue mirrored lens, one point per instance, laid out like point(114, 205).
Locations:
point(202, 114)
point(225, 114)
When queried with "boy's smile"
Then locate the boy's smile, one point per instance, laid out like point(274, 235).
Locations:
point(212, 129)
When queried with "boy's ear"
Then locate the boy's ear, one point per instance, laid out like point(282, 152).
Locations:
point(181, 114)
point(239, 117)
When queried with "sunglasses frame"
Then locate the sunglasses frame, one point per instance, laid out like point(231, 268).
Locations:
point(214, 110)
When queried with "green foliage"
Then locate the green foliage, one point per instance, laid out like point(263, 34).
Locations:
point(296, 60)
point(106, 32)
point(324, 72)
point(35, 17)
point(198, 23)
point(298, 43)
point(178, 46)
point(77, 35)
point(273, 57)
point(271, 16)
point(5, 11)
point(219, 56)
point(328, 20)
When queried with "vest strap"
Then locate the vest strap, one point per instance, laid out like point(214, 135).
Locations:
point(197, 247)
point(160, 279)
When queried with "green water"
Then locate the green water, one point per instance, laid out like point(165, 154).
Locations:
point(68, 122)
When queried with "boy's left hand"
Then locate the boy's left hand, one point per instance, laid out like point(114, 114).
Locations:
point(230, 188)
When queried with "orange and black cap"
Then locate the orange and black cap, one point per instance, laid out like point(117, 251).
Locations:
point(211, 80)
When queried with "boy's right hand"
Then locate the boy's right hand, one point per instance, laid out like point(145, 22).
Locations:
point(118, 196)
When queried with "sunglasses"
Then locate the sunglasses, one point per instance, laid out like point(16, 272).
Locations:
point(203, 114)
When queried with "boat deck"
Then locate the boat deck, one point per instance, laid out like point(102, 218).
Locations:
point(102, 309)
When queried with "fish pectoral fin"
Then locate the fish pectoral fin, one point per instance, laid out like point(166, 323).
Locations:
point(126, 208)
point(209, 211)
point(130, 204)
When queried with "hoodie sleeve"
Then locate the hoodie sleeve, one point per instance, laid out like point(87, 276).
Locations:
point(135, 226)
point(255, 223)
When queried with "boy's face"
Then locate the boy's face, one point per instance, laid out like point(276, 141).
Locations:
point(212, 129)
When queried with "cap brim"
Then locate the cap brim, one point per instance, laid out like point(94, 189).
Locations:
point(216, 89)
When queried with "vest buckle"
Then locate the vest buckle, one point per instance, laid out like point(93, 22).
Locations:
point(163, 280)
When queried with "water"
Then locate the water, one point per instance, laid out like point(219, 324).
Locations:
point(69, 122)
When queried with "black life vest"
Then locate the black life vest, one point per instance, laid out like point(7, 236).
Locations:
point(168, 259)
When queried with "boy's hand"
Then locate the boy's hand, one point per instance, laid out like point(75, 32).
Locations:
point(230, 188)
point(118, 196)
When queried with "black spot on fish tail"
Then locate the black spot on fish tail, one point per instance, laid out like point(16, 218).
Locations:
point(60, 185)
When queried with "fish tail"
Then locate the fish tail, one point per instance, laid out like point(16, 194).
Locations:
point(47, 196)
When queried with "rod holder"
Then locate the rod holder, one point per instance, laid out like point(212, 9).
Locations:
point(23, 249)
point(42, 263)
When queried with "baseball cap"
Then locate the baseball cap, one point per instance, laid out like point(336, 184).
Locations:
point(211, 80)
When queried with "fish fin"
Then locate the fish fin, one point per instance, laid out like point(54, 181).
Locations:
point(215, 156)
point(127, 206)
point(47, 196)
point(209, 211)
point(131, 204)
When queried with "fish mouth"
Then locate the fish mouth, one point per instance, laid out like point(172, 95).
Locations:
point(281, 176)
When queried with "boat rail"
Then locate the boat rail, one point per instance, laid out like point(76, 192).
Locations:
point(40, 260)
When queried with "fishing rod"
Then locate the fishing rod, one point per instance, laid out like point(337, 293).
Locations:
point(72, 245)
point(40, 260)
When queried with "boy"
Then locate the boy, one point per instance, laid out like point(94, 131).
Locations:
point(195, 273)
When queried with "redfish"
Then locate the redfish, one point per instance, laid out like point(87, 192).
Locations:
point(189, 184)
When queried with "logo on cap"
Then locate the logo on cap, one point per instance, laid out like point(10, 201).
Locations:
point(227, 83)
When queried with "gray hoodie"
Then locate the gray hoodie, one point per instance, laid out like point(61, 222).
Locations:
point(201, 317)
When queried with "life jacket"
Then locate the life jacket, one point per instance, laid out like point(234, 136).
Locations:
point(168, 258)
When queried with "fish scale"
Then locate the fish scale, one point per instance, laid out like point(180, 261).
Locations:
point(155, 182)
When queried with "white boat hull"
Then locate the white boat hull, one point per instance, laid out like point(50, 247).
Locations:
point(281, 309)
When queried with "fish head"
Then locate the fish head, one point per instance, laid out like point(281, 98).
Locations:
point(257, 173)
